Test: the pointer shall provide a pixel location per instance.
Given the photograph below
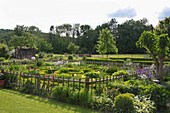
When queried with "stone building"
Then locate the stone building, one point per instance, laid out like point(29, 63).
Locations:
point(24, 52)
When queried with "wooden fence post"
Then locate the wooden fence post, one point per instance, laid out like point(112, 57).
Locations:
point(73, 84)
point(38, 81)
point(48, 84)
point(91, 83)
point(87, 83)
point(12, 80)
point(16, 81)
point(79, 83)
point(96, 83)
point(68, 82)
point(63, 81)
point(20, 82)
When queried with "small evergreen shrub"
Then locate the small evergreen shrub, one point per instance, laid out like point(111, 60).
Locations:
point(70, 57)
point(84, 58)
point(124, 103)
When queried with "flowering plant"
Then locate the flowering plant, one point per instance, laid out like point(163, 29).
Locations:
point(2, 76)
point(33, 71)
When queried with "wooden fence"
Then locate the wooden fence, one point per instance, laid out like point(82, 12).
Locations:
point(17, 80)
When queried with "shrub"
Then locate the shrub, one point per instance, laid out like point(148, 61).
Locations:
point(64, 70)
point(41, 54)
point(83, 97)
point(157, 94)
point(69, 65)
point(40, 92)
point(27, 87)
point(144, 105)
point(50, 55)
point(2, 58)
point(37, 56)
point(86, 70)
point(102, 103)
point(39, 62)
point(61, 93)
point(92, 75)
point(111, 70)
point(25, 61)
point(124, 103)
point(84, 58)
point(120, 73)
point(70, 57)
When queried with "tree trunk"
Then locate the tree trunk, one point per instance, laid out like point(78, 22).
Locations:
point(20, 52)
point(161, 68)
point(156, 61)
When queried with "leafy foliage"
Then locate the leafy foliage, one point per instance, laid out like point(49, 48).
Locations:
point(124, 103)
point(106, 43)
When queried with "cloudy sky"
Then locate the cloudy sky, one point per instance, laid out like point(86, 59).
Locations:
point(44, 13)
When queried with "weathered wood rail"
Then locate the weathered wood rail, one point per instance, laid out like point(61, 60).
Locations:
point(18, 79)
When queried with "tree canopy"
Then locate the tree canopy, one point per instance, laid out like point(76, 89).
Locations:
point(106, 43)
point(157, 43)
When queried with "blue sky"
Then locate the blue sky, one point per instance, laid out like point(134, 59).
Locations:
point(44, 13)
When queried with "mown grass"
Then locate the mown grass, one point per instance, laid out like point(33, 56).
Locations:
point(15, 102)
point(123, 55)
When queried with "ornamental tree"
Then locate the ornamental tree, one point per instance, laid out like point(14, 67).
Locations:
point(106, 43)
point(27, 40)
point(72, 47)
point(157, 43)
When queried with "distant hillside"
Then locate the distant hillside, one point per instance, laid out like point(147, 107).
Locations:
point(5, 31)
point(5, 34)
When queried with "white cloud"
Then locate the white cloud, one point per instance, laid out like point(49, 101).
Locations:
point(122, 13)
point(165, 13)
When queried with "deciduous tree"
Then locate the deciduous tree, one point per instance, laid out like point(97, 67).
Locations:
point(157, 43)
point(106, 43)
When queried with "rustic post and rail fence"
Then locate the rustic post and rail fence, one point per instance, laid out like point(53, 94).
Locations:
point(44, 81)
point(17, 80)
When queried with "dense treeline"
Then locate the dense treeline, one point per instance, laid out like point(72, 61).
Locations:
point(59, 36)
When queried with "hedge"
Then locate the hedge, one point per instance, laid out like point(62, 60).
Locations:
point(103, 60)
point(120, 60)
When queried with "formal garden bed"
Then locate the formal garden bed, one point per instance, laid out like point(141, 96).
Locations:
point(108, 88)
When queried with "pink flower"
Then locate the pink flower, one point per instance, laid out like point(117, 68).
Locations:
point(28, 68)
point(35, 68)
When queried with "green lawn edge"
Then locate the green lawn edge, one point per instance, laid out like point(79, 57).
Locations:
point(16, 102)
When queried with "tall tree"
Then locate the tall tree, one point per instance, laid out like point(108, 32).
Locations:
point(72, 47)
point(127, 35)
point(43, 45)
point(106, 42)
point(27, 39)
point(113, 26)
point(67, 29)
point(84, 29)
point(158, 44)
point(76, 30)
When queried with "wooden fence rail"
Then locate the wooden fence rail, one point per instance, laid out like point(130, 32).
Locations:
point(17, 80)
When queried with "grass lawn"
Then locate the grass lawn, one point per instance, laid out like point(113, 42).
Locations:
point(15, 102)
point(123, 55)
